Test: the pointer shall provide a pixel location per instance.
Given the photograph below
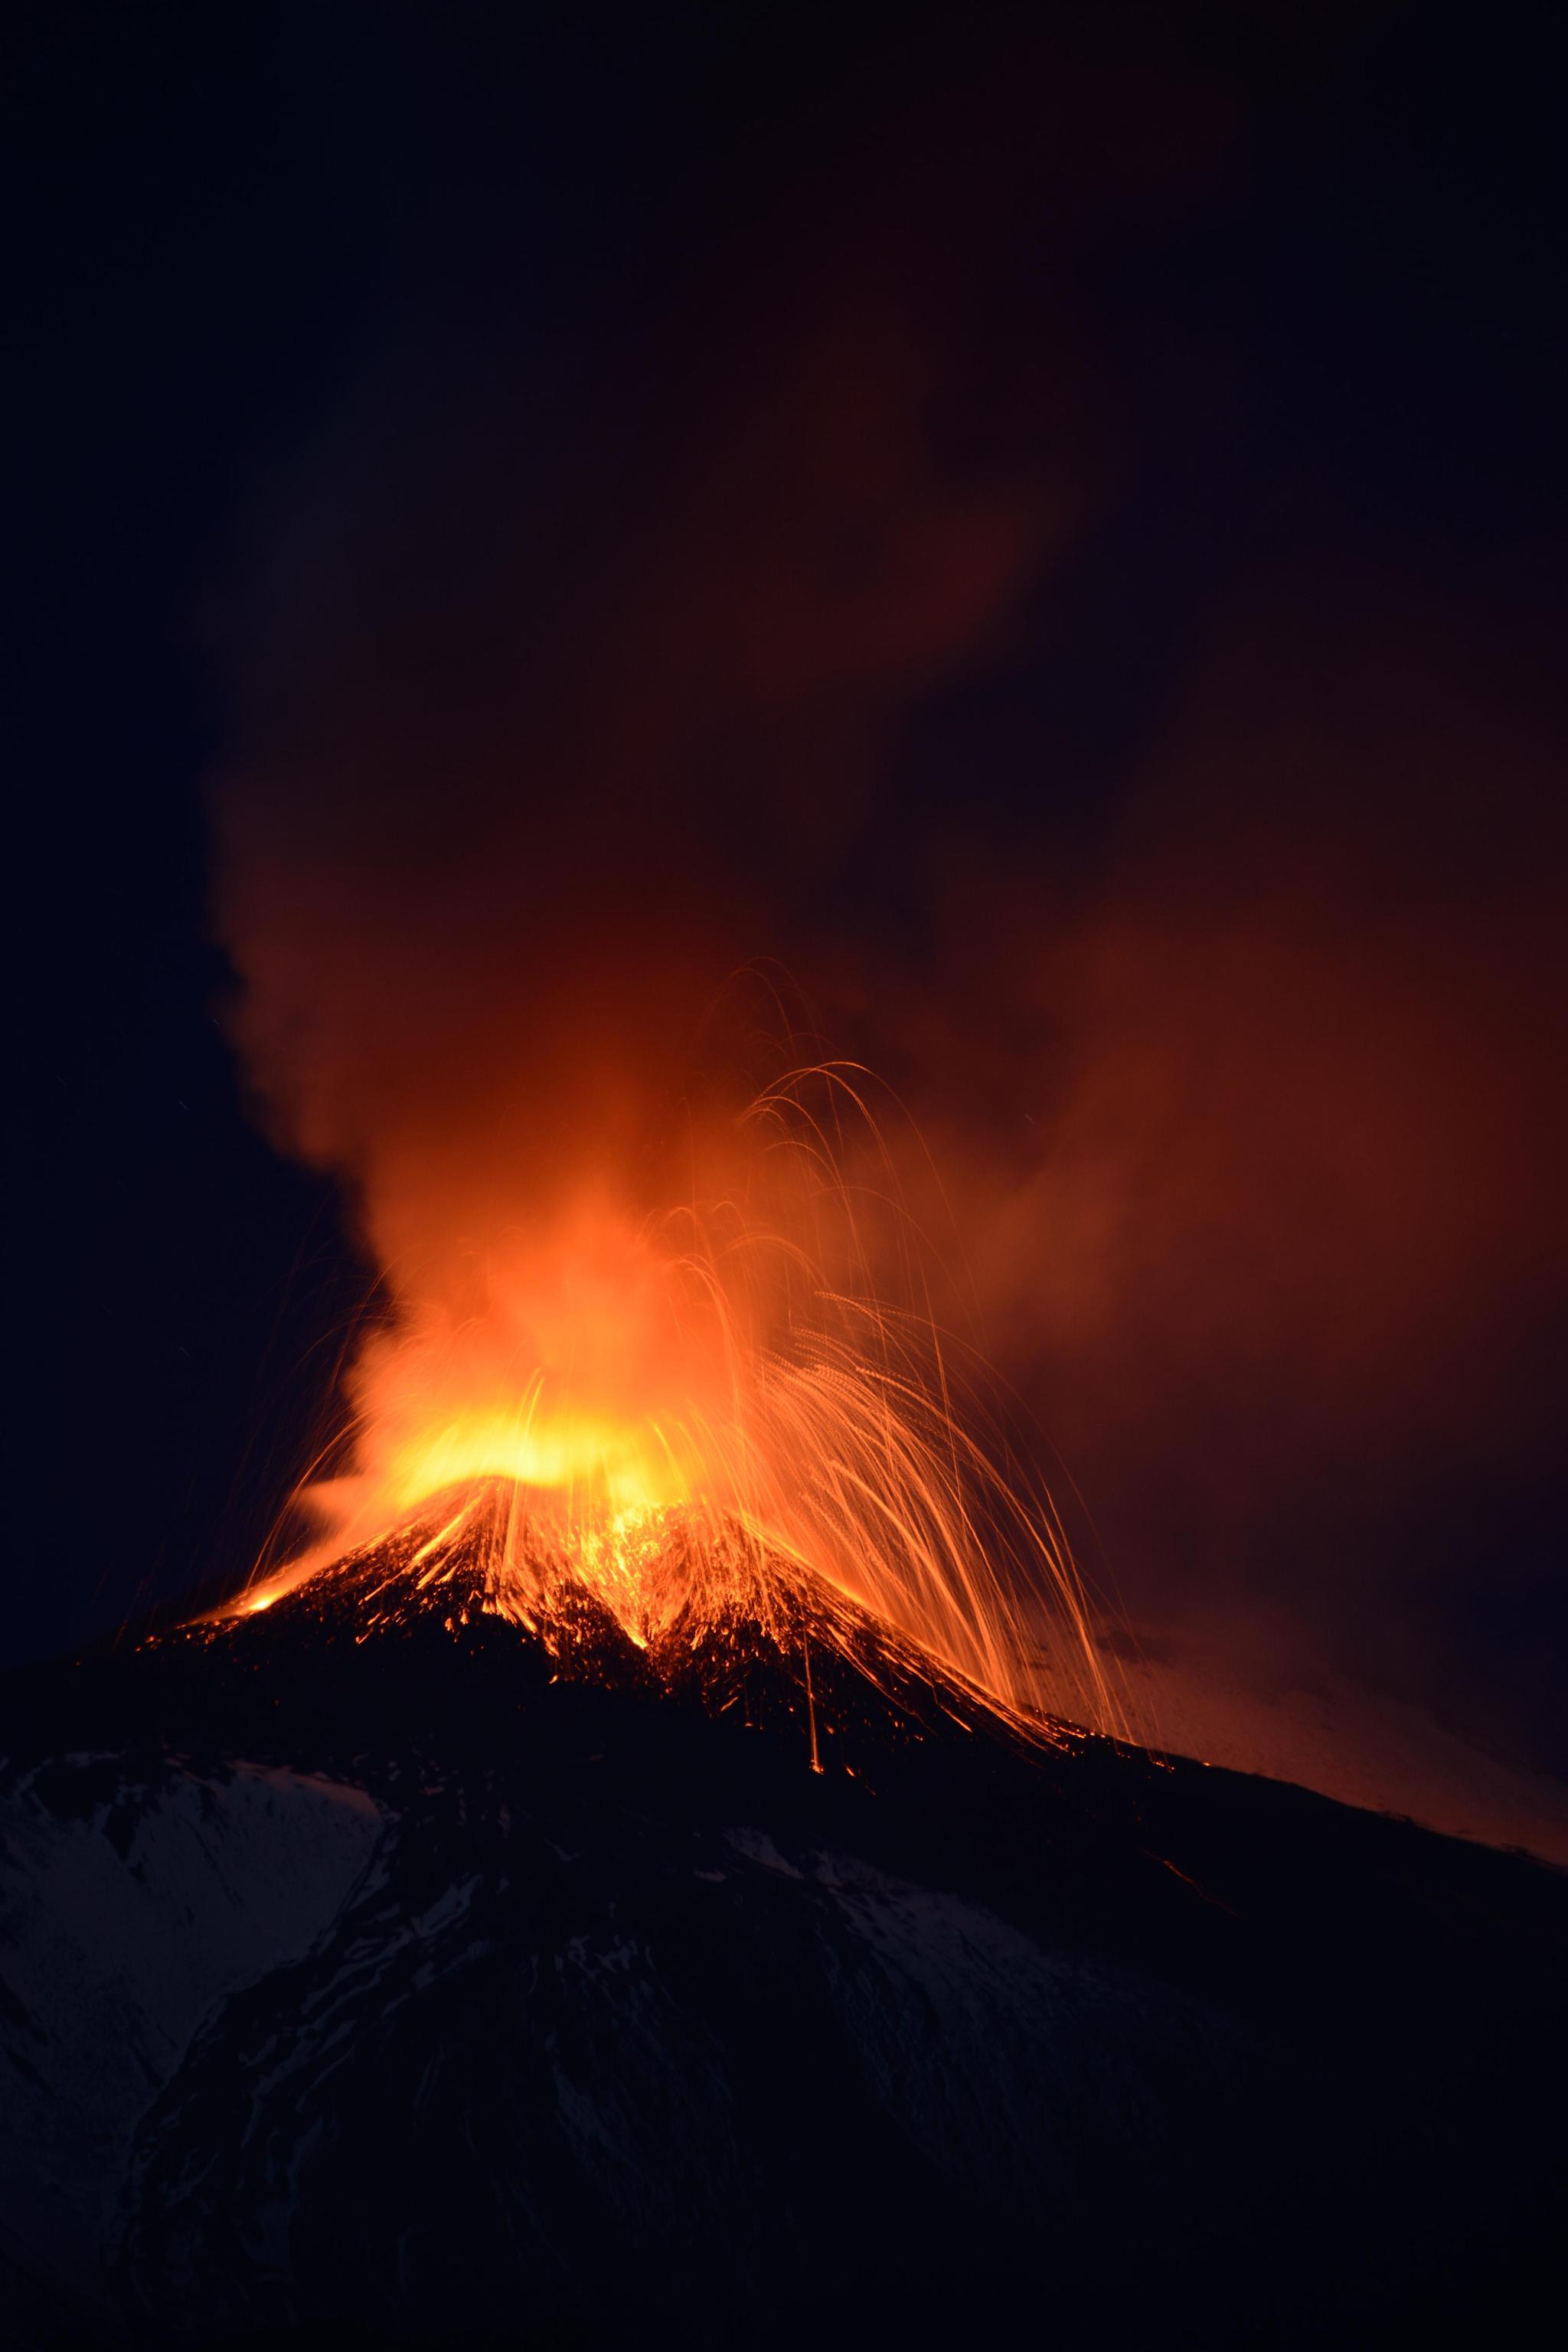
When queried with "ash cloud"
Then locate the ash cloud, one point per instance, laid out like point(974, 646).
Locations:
point(864, 606)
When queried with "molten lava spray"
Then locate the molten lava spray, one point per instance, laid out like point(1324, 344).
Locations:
point(688, 1414)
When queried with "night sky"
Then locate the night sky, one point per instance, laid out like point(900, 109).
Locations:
point(1045, 529)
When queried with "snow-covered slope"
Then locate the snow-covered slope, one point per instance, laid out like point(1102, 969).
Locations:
point(135, 1895)
point(568, 2091)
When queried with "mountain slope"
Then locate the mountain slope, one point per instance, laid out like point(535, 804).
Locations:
point(495, 1984)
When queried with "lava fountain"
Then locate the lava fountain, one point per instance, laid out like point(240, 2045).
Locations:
point(741, 1411)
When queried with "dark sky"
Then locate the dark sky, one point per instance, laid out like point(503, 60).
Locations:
point(1048, 526)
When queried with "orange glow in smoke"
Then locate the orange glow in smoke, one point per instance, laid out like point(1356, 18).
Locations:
point(685, 1408)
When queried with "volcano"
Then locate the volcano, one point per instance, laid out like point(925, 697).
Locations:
point(408, 1952)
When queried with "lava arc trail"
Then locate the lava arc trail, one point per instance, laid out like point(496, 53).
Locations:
point(741, 1414)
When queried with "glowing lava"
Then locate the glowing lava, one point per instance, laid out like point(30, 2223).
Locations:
point(680, 1416)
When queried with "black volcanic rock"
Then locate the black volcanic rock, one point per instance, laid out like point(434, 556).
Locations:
point(440, 1980)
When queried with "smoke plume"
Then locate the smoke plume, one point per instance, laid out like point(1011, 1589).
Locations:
point(1205, 945)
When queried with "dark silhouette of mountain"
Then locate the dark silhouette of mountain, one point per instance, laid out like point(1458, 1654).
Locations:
point(378, 1967)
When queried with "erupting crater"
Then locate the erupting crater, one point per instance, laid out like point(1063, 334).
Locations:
point(677, 1600)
